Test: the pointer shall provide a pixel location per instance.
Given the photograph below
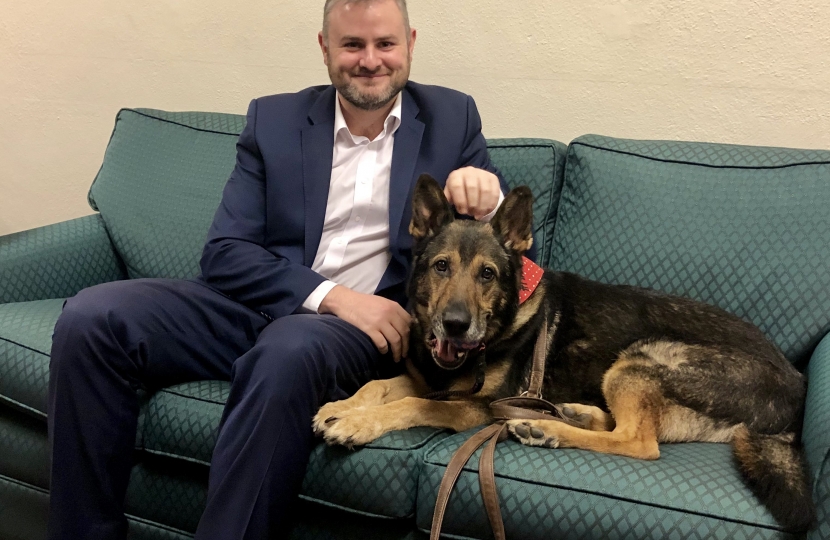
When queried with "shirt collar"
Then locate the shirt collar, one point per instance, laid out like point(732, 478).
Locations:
point(390, 125)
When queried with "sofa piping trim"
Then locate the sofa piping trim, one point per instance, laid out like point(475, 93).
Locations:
point(168, 121)
point(89, 197)
point(14, 401)
point(682, 162)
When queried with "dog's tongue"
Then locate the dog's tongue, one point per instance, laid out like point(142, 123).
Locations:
point(446, 351)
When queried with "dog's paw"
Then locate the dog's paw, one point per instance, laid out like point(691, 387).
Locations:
point(570, 415)
point(328, 414)
point(585, 416)
point(533, 433)
point(352, 429)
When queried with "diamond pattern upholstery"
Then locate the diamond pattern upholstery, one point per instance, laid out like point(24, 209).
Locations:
point(540, 165)
point(22, 510)
point(24, 450)
point(56, 261)
point(158, 189)
point(183, 421)
point(743, 228)
point(816, 435)
point(692, 491)
point(169, 492)
point(380, 479)
point(25, 344)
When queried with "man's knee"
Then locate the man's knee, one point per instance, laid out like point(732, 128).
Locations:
point(295, 358)
point(91, 311)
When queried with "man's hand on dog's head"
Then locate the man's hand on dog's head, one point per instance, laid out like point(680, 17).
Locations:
point(384, 321)
point(474, 192)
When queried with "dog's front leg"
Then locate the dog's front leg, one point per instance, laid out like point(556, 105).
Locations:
point(371, 394)
point(360, 426)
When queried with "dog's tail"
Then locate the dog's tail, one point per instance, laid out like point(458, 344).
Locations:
point(776, 471)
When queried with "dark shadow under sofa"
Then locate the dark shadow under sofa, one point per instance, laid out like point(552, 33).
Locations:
point(745, 228)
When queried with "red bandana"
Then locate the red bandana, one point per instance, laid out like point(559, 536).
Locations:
point(531, 276)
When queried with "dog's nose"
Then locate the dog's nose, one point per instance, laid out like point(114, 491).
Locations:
point(456, 320)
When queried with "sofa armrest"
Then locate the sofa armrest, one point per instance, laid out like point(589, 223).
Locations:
point(57, 261)
point(816, 436)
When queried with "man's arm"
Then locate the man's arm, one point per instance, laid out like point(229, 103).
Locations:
point(476, 188)
point(234, 259)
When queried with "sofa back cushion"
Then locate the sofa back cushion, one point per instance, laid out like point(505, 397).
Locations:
point(160, 184)
point(540, 165)
point(744, 228)
point(163, 175)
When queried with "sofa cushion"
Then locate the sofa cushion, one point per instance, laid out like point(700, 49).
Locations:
point(25, 345)
point(160, 184)
point(745, 228)
point(540, 165)
point(692, 491)
point(380, 479)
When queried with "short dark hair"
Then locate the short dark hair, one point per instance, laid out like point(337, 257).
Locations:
point(331, 3)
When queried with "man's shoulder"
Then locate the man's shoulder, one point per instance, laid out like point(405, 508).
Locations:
point(293, 100)
point(430, 93)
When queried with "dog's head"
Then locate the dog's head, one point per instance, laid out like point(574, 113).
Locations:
point(466, 274)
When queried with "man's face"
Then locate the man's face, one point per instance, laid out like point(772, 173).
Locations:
point(367, 53)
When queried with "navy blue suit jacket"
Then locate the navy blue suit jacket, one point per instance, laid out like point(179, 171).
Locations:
point(266, 231)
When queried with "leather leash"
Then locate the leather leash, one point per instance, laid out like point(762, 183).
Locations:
point(527, 405)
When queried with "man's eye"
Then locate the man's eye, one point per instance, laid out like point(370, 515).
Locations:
point(441, 265)
point(487, 274)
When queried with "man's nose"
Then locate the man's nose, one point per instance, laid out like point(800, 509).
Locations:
point(371, 59)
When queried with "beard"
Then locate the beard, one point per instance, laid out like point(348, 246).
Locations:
point(368, 101)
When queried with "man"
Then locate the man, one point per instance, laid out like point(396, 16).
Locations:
point(301, 293)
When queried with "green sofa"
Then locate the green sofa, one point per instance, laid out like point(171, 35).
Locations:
point(741, 227)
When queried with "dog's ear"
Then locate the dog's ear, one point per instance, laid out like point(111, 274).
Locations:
point(513, 221)
point(430, 209)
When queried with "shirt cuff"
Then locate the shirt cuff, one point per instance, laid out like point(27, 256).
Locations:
point(488, 217)
point(312, 303)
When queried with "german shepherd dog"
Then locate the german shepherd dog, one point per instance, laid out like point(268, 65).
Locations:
point(629, 367)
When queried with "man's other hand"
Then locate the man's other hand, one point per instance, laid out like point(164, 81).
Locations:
point(474, 192)
point(384, 321)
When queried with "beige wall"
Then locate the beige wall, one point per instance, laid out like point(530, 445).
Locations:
point(745, 71)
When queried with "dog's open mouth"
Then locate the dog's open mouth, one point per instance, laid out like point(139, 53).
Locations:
point(449, 353)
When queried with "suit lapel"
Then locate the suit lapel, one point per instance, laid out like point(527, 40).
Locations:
point(317, 147)
point(407, 150)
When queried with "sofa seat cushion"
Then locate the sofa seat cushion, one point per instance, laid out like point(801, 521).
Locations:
point(25, 345)
point(692, 491)
point(744, 228)
point(380, 479)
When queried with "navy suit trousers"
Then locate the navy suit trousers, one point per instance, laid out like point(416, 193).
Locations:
point(115, 339)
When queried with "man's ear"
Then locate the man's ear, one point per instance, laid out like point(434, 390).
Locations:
point(430, 210)
point(514, 218)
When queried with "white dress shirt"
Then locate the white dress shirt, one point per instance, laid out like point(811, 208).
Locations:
point(354, 246)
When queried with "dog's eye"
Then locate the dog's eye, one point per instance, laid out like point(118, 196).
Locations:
point(487, 274)
point(441, 265)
